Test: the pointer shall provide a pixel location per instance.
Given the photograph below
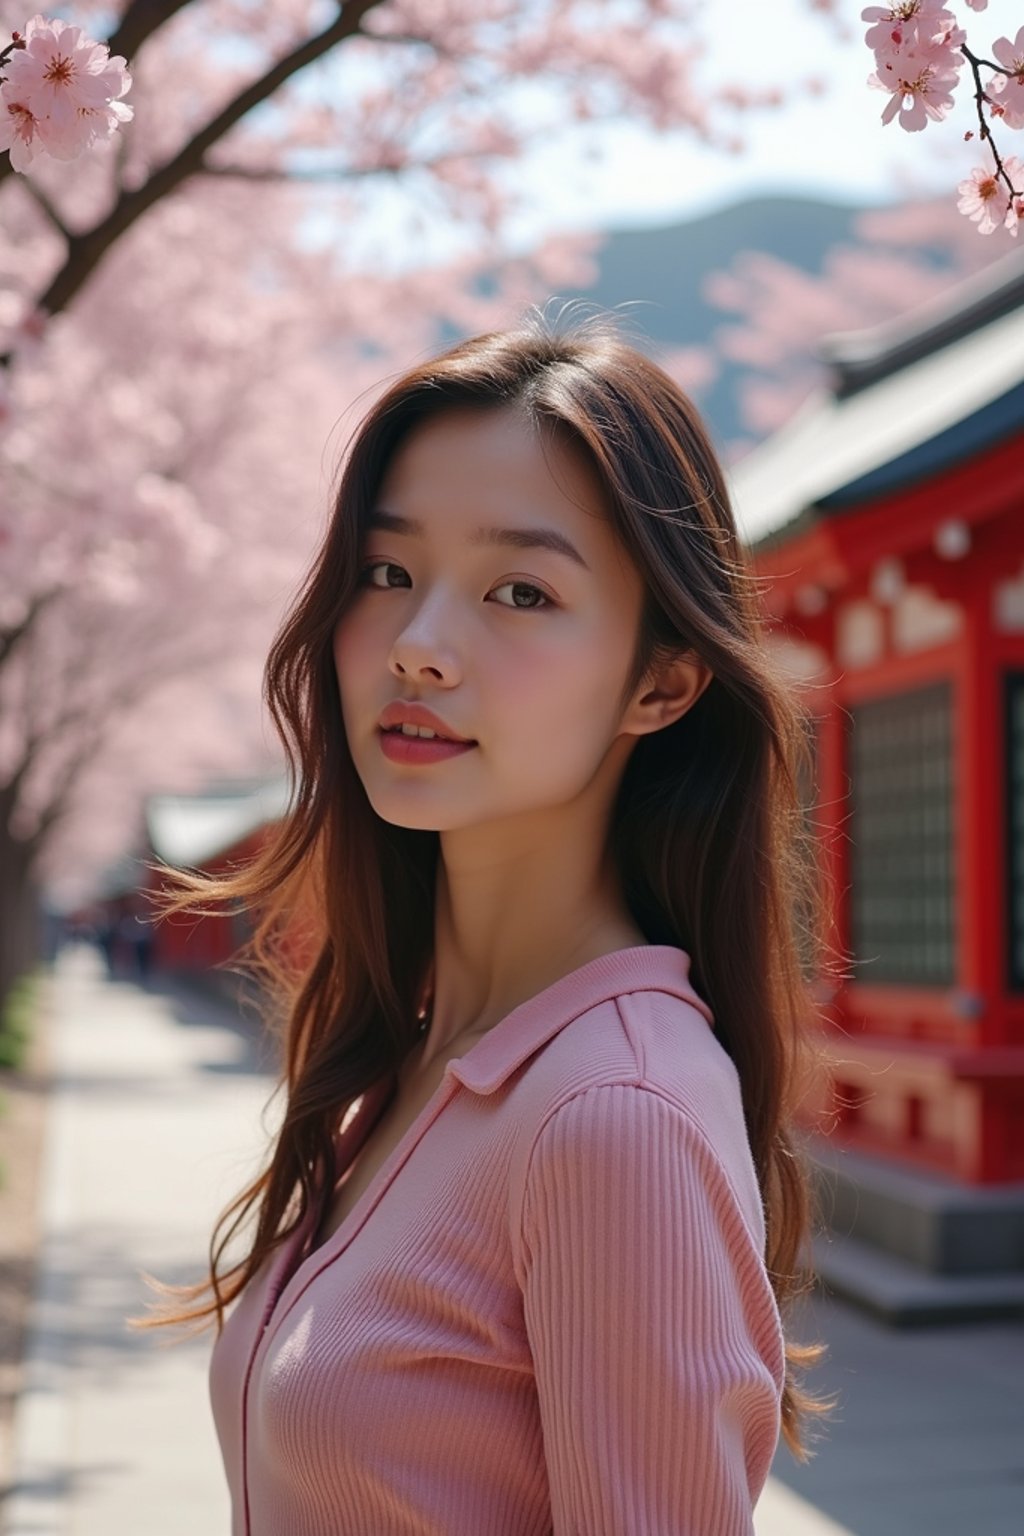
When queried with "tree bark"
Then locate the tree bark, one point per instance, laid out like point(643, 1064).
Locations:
point(21, 937)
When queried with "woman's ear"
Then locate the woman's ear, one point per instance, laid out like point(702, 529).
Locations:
point(664, 698)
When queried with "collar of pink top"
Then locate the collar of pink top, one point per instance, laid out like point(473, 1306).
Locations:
point(643, 968)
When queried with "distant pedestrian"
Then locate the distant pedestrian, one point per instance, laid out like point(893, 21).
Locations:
point(126, 932)
point(106, 938)
point(135, 940)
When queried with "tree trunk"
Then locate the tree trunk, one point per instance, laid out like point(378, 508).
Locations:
point(21, 938)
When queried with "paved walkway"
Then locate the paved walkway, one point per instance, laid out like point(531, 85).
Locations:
point(156, 1123)
point(153, 1127)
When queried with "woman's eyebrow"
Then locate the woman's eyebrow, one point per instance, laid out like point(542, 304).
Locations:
point(516, 538)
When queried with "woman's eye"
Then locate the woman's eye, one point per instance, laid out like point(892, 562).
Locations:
point(526, 586)
point(369, 570)
point(376, 565)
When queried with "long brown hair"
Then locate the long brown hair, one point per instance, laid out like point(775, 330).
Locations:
point(709, 827)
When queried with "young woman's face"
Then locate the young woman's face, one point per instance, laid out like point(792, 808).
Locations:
point(524, 649)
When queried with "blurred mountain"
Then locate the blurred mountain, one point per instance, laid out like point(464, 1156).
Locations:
point(659, 274)
point(656, 279)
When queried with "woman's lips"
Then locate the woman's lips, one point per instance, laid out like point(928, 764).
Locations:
point(420, 749)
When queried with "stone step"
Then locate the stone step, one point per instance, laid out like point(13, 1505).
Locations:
point(935, 1223)
point(904, 1295)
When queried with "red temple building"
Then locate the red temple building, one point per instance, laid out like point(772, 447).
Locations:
point(211, 831)
point(888, 519)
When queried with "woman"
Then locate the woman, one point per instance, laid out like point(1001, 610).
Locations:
point(528, 1226)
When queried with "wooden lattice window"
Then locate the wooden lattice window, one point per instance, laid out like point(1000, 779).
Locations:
point(901, 834)
point(809, 796)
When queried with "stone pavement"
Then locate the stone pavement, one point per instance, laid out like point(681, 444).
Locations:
point(160, 1114)
point(928, 1439)
point(153, 1127)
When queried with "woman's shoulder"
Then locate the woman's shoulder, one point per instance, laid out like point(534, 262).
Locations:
point(629, 1065)
point(652, 1040)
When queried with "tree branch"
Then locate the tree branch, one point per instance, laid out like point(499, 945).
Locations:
point(985, 130)
point(59, 803)
point(274, 173)
point(82, 731)
point(327, 173)
point(11, 638)
point(85, 251)
point(140, 20)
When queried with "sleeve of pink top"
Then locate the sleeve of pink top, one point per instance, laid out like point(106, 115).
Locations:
point(656, 1340)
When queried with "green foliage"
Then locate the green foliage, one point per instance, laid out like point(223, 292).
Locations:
point(16, 1018)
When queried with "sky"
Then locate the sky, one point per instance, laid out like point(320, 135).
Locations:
point(834, 145)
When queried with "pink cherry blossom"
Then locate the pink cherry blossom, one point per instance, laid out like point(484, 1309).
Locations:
point(977, 5)
point(69, 84)
point(921, 83)
point(985, 200)
point(19, 129)
point(1010, 85)
point(907, 25)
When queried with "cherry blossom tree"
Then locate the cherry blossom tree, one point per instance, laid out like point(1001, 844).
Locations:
point(180, 341)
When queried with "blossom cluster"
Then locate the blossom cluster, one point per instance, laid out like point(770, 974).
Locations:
point(59, 92)
point(920, 52)
point(917, 52)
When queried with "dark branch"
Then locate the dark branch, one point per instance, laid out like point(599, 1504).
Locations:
point(328, 173)
point(140, 20)
point(12, 637)
point(85, 251)
point(985, 131)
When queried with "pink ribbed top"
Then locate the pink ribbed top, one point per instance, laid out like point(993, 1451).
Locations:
point(547, 1313)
